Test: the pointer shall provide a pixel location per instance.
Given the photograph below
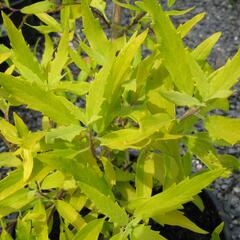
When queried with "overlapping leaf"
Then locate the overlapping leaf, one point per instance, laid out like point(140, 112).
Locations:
point(105, 91)
point(224, 128)
point(23, 57)
point(178, 61)
point(176, 195)
point(38, 98)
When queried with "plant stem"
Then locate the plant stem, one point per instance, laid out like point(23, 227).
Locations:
point(189, 113)
point(134, 22)
point(116, 21)
point(100, 16)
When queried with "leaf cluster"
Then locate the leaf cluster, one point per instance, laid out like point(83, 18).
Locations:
point(118, 102)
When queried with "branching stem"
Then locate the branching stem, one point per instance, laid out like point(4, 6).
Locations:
point(189, 113)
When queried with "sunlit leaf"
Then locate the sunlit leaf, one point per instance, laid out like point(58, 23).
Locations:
point(145, 233)
point(38, 7)
point(92, 29)
point(185, 28)
point(202, 51)
point(225, 77)
point(176, 218)
point(105, 204)
point(180, 99)
point(180, 64)
point(69, 214)
point(224, 128)
point(144, 175)
point(171, 3)
point(8, 159)
point(67, 133)
point(38, 98)
point(22, 54)
point(59, 61)
point(50, 21)
point(176, 195)
point(15, 202)
point(78, 88)
point(90, 231)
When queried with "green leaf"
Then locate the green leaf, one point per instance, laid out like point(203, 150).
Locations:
point(54, 180)
point(110, 174)
point(4, 56)
point(92, 28)
point(43, 29)
point(126, 138)
point(8, 159)
point(217, 231)
point(201, 146)
point(176, 195)
point(90, 231)
point(20, 126)
point(11, 183)
point(225, 77)
point(69, 214)
point(78, 88)
point(50, 21)
point(230, 162)
point(122, 176)
point(23, 230)
point(4, 106)
point(104, 93)
point(197, 201)
point(16, 201)
point(38, 217)
point(48, 51)
point(144, 175)
point(22, 53)
point(27, 164)
point(118, 236)
point(67, 133)
point(57, 159)
point(185, 28)
point(143, 70)
point(78, 200)
point(171, 3)
point(38, 98)
point(30, 140)
point(105, 204)
point(9, 132)
point(5, 235)
point(181, 66)
point(14, 180)
point(127, 191)
point(145, 233)
point(176, 218)
point(59, 61)
point(126, 5)
point(180, 99)
point(223, 128)
point(157, 103)
point(39, 7)
point(179, 12)
point(202, 51)
point(100, 5)
point(133, 137)
point(79, 61)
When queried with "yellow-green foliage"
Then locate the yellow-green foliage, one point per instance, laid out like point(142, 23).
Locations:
point(80, 158)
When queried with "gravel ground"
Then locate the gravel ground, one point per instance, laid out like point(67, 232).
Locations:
point(220, 16)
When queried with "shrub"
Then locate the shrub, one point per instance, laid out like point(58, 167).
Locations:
point(81, 163)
